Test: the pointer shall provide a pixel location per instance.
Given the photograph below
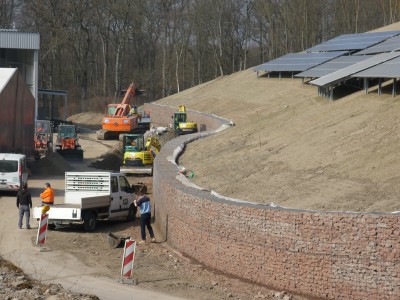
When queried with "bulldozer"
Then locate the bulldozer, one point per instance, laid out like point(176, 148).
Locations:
point(181, 123)
point(43, 139)
point(138, 154)
point(68, 143)
point(122, 118)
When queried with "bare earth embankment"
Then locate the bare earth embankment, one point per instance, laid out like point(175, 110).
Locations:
point(296, 149)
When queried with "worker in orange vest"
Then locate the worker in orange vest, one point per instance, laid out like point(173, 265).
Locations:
point(47, 195)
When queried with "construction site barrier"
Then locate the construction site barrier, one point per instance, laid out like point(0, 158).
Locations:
point(42, 230)
point(128, 259)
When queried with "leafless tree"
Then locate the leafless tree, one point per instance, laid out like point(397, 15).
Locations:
point(96, 48)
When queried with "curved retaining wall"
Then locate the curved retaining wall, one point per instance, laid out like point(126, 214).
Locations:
point(334, 255)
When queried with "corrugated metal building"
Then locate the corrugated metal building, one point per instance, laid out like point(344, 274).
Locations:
point(17, 113)
point(21, 50)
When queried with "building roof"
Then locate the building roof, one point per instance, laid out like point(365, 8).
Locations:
point(5, 75)
point(13, 39)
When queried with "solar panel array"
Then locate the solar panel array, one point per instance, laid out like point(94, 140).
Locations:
point(332, 66)
point(356, 41)
point(347, 72)
point(378, 56)
point(298, 62)
point(388, 69)
point(392, 44)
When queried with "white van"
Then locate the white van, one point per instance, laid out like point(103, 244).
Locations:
point(13, 171)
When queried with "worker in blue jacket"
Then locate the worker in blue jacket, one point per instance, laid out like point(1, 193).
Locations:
point(143, 202)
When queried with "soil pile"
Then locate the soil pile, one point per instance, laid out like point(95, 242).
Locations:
point(14, 284)
point(53, 164)
point(111, 161)
point(90, 120)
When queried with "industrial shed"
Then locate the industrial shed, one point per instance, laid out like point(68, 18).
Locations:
point(17, 113)
point(21, 50)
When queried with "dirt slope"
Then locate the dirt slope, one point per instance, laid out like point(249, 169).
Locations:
point(295, 149)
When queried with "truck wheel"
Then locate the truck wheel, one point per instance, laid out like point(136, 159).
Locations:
point(89, 222)
point(131, 214)
point(51, 226)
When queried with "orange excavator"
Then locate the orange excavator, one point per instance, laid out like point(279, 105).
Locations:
point(121, 118)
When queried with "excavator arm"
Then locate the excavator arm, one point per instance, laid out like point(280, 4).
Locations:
point(123, 108)
point(153, 142)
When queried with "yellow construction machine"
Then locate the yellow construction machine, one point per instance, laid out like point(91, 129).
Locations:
point(138, 154)
point(181, 123)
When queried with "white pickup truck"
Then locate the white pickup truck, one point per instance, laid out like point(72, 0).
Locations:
point(91, 196)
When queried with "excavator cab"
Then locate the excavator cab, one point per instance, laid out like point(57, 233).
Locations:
point(138, 154)
point(181, 124)
point(67, 142)
point(179, 117)
point(133, 143)
point(67, 132)
point(111, 108)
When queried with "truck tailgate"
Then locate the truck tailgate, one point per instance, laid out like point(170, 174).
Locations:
point(59, 212)
point(73, 211)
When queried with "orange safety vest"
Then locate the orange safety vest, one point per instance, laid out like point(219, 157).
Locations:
point(48, 195)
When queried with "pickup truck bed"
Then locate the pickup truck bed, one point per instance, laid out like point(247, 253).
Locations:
point(73, 211)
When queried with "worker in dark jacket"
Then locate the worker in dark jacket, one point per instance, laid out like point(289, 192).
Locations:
point(143, 202)
point(24, 204)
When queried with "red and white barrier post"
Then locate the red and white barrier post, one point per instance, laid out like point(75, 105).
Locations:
point(128, 259)
point(42, 230)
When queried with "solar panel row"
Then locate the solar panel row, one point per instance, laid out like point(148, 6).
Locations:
point(354, 41)
point(392, 44)
point(328, 62)
point(332, 66)
point(297, 62)
point(388, 69)
point(345, 73)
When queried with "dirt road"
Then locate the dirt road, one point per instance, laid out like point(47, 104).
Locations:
point(57, 265)
point(83, 262)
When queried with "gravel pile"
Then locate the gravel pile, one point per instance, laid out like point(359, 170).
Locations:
point(15, 285)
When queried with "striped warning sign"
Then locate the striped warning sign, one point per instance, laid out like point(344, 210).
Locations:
point(42, 230)
point(128, 258)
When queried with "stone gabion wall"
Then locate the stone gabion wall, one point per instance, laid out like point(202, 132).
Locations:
point(333, 255)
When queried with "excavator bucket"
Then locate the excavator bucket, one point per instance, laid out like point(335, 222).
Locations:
point(114, 241)
point(71, 154)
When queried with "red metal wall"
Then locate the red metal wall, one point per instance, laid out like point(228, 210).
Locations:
point(17, 113)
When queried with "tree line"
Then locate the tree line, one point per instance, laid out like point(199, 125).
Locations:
point(93, 49)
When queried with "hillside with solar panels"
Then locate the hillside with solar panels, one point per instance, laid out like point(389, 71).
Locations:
point(349, 59)
point(313, 130)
